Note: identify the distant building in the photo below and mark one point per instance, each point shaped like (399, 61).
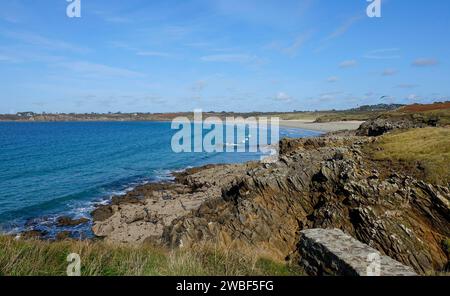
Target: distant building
(25, 114)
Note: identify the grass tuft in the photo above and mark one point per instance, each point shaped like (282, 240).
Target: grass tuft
(429, 148)
(19, 257)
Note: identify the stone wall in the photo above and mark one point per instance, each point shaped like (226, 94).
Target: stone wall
(332, 252)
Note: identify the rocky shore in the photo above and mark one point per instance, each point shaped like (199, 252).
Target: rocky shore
(328, 182)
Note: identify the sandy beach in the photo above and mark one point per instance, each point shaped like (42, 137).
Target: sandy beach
(323, 126)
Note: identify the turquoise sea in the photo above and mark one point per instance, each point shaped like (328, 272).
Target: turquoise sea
(57, 169)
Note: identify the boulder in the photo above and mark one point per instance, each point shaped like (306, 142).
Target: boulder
(332, 252)
(67, 221)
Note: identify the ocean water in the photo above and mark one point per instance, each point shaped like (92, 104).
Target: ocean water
(57, 169)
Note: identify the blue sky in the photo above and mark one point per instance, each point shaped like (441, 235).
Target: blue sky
(233, 55)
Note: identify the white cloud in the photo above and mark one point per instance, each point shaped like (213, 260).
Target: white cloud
(198, 86)
(112, 17)
(413, 97)
(230, 58)
(154, 54)
(332, 79)
(406, 85)
(140, 52)
(425, 62)
(98, 70)
(283, 97)
(383, 54)
(389, 72)
(329, 96)
(348, 64)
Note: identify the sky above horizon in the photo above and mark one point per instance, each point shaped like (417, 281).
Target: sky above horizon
(221, 55)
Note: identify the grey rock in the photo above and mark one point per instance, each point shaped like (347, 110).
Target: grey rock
(332, 252)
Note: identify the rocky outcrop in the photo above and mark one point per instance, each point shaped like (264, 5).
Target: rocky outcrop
(142, 214)
(332, 252)
(378, 127)
(33, 234)
(385, 123)
(317, 183)
(323, 183)
(67, 221)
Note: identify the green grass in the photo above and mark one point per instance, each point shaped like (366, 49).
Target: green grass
(347, 116)
(423, 116)
(429, 147)
(330, 116)
(19, 257)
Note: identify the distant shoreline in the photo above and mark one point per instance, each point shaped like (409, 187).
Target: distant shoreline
(326, 127)
(321, 126)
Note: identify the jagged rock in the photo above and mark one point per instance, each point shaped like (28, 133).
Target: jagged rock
(383, 124)
(63, 235)
(399, 216)
(160, 204)
(67, 221)
(102, 213)
(324, 182)
(378, 127)
(33, 234)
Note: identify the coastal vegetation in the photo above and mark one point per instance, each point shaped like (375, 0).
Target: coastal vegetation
(427, 150)
(430, 113)
(35, 257)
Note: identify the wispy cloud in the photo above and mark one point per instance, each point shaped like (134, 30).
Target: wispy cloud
(230, 58)
(42, 42)
(329, 96)
(283, 97)
(339, 31)
(14, 54)
(8, 59)
(154, 54)
(406, 85)
(12, 11)
(123, 45)
(383, 54)
(344, 27)
(112, 18)
(98, 70)
(332, 79)
(9, 18)
(348, 64)
(293, 48)
(257, 12)
(198, 86)
(413, 97)
(389, 72)
(177, 32)
(111, 100)
(425, 62)
(140, 52)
